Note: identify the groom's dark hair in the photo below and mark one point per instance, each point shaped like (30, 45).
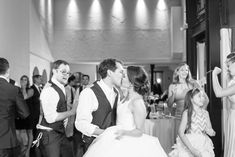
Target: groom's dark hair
(107, 64)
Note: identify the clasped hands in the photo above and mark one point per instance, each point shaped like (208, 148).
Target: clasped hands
(196, 153)
(119, 134)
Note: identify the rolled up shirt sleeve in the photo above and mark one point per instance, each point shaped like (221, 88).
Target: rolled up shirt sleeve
(49, 100)
(87, 104)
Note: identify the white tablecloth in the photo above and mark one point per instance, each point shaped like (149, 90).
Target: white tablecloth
(163, 129)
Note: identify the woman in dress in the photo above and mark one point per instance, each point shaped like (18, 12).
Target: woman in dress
(229, 92)
(127, 138)
(181, 84)
(24, 126)
(194, 127)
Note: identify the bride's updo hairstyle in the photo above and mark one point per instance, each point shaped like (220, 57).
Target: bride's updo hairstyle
(139, 79)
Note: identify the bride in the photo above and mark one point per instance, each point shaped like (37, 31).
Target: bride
(126, 138)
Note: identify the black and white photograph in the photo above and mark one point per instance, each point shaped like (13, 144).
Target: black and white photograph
(117, 78)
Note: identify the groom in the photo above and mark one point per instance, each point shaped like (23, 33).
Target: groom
(97, 105)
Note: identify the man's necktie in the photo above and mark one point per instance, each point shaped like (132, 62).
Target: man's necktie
(39, 89)
(72, 96)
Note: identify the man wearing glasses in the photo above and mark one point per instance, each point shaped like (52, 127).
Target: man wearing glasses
(53, 99)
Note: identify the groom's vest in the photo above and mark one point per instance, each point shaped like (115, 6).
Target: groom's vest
(61, 107)
(104, 116)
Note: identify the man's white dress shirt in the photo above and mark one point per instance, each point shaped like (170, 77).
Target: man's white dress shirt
(87, 104)
(49, 100)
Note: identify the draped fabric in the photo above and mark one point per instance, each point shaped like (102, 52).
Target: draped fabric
(229, 146)
(225, 45)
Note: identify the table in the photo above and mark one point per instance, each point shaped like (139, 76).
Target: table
(163, 129)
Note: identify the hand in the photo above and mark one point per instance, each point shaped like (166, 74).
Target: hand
(120, 134)
(210, 132)
(202, 82)
(216, 71)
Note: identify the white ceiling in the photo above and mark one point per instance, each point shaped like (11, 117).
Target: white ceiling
(135, 31)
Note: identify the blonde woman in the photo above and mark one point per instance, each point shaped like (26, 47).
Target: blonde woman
(181, 84)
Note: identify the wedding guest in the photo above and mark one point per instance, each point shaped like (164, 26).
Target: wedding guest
(37, 88)
(74, 136)
(70, 94)
(35, 111)
(78, 144)
(78, 76)
(85, 82)
(194, 127)
(54, 142)
(229, 92)
(11, 104)
(24, 127)
(181, 84)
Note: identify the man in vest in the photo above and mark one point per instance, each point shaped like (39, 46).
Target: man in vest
(97, 104)
(55, 115)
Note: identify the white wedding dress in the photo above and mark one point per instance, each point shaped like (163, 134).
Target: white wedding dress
(106, 145)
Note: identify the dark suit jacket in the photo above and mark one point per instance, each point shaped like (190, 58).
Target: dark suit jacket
(35, 106)
(12, 104)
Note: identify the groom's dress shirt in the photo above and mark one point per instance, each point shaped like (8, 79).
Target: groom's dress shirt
(49, 99)
(87, 104)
